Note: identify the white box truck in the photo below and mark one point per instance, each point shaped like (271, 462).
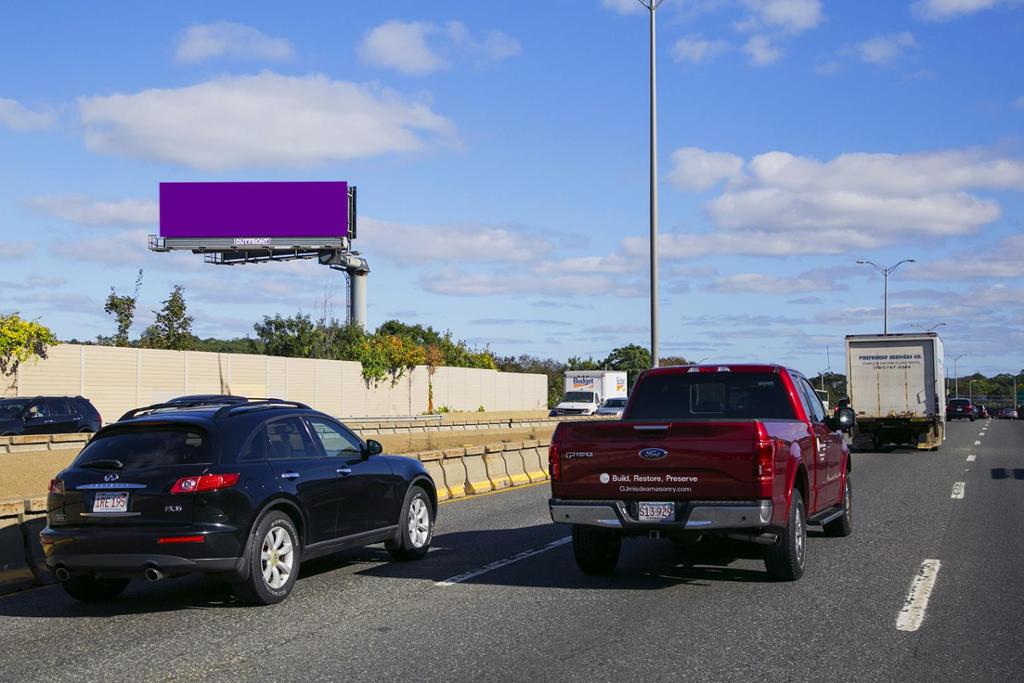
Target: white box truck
(585, 390)
(895, 383)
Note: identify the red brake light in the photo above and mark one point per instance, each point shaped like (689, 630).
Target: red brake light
(56, 486)
(554, 467)
(204, 482)
(764, 455)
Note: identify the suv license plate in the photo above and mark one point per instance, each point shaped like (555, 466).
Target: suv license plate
(110, 502)
(656, 512)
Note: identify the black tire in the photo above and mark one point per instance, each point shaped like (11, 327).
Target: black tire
(972, 418)
(415, 531)
(91, 589)
(784, 560)
(842, 526)
(596, 550)
(255, 589)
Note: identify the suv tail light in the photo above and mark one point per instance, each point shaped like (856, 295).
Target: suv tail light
(764, 456)
(57, 486)
(554, 466)
(204, 482)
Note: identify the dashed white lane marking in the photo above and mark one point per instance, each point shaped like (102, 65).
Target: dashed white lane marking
(977, 443)
(498, 564)
(971, 458)
(913, 612)
(958, 491)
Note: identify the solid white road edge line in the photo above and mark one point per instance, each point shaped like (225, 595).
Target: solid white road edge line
(971, 458)
(958, 491)
(912, 614)
(466, 576)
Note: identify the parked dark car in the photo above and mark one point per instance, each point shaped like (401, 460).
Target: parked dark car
(959, 409)
(48, 415)
(243, 491)
(1008, 414)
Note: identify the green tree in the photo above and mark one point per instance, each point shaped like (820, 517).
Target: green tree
(576, 363)
(555, 371)
(672, 360)
(122, 307)
(172, 328)
(632, 358)
(386, 356)
(21, 340)
(292, 337)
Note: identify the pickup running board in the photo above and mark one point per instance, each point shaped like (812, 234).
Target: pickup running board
(823, 518)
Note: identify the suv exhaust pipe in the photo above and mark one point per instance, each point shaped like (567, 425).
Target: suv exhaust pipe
(62, 574)
(153, 574)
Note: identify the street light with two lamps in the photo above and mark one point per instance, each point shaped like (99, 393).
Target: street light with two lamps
(885, 287)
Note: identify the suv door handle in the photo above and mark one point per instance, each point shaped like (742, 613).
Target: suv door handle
(344, 471)
(290, 475)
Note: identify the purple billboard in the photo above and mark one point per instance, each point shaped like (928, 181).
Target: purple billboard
(299, 209)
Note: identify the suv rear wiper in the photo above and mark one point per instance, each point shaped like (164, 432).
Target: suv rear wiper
(108, 464)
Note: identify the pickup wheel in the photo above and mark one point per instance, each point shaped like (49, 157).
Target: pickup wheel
(842, 526)
(784, 560)
(596, 550)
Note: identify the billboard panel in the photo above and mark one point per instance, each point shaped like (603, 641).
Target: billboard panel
(254, 210)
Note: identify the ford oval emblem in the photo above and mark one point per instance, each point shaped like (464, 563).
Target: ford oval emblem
(653, 453)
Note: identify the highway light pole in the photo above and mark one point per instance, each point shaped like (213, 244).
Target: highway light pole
(928, 329)
(956, 375)
(885, 287)
(970, 390)
(652, 7)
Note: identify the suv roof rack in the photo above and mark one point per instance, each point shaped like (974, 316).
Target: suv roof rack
(252, 403)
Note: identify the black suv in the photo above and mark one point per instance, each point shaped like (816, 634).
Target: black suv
(960, 408)
(241, 491)
(48, 415)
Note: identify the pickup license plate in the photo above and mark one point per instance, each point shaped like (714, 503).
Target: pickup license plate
(656, 512)
(110, 502)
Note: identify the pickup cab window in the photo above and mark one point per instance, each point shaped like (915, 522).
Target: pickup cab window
(578, 397)
(720, 395)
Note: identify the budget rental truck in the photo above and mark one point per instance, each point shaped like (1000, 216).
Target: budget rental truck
(895, 385)
(585, 390)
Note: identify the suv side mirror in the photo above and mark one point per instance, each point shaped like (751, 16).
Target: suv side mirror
(373, 447)
(847, 418)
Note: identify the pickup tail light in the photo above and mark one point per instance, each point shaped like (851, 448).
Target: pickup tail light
(57, 486)
(764, 455)
(554, 466)
(204, 482)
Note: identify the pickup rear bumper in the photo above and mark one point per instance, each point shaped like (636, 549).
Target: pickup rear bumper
(690, 515)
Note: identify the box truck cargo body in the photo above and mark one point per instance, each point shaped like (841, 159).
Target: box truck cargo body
(896, 387)
(585, 390)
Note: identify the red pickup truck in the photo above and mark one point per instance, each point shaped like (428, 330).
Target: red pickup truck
(744, 451)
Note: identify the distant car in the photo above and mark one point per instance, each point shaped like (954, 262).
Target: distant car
(612, 407)
(48, 415)
(960, 409)
(243, 492)
(1008, 414)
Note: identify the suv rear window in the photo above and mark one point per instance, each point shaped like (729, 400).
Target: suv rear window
(141, 449)
(959, 402)
(706, 395)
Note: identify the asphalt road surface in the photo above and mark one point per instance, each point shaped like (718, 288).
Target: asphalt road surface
(499, 598)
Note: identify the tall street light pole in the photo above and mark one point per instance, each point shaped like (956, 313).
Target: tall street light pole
(885, 287)
(652, 7)
(956, 375)
(928, 329)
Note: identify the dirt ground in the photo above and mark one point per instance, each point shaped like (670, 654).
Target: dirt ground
(29, 474)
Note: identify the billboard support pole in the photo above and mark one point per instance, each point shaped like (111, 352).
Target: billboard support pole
(357, 296)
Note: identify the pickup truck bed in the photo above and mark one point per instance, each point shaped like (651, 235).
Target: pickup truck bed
(741, 451)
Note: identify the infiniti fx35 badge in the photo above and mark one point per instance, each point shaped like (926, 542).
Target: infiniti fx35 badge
(653, 453)
(110, 477)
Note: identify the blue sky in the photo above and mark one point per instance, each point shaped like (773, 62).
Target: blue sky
(500, 150)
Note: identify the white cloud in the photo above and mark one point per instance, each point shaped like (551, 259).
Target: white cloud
(463, 283)
(792, 16)
(761, 50)
(623, 6)
(17, 116)
(261, 120)
(1003, 260)
(13, 249)
(758, 283)
(1019, 102)
(415, 47)
(943, 10)
(885, 48)
(696, 169)
(426, 244)
(231, 40)
(86, 210)
(128, 247)
(697, 50)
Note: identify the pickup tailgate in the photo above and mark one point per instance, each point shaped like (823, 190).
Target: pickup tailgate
(684, 460)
